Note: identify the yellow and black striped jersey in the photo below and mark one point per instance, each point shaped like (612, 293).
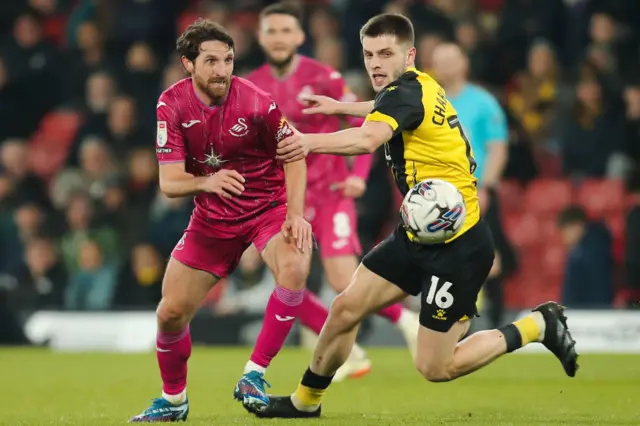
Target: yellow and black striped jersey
(428, 141)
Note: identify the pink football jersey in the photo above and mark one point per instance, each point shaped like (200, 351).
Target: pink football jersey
(240, 134)
(309, 76)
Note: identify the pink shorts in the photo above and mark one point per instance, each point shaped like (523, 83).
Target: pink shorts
(201, 247)
(335, 227)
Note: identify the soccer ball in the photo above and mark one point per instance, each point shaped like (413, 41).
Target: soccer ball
(433, 211)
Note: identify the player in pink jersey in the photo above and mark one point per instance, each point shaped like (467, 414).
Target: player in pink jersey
(331, 187)
(216, 140)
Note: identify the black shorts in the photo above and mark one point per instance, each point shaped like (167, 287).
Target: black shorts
(449, 276)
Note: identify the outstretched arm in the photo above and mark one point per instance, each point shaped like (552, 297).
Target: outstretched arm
(318, 104)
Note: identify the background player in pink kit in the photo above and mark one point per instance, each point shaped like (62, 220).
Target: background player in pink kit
(331, 187)
(216, 139)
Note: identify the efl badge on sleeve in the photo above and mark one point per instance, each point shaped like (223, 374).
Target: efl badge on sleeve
(161, 138)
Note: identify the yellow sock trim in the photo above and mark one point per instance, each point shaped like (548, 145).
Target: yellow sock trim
(309, 396)
(528, 328)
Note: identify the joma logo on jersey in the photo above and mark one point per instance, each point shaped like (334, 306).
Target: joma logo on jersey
(240, 128)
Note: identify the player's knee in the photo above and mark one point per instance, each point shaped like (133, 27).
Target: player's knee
(292, 273)
(436, 373)
(171, 316)
(346, 310)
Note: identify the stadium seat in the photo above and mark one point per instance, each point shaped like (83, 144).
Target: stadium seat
(522, 229)
(548, 196)
(510, 195)
(601, 197)
(49, 146)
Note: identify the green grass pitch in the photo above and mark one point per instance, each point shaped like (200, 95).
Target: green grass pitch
(38, 387)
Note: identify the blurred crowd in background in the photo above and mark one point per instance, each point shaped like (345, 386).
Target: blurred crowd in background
(84, 227)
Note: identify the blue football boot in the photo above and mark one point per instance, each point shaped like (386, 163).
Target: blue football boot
(250, 391)
(162, 410)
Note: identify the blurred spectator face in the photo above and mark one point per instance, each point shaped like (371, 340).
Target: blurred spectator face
(100, 91)
(571, 233)
(140, 58)
(121, 116)
(450, 64)
(90, 256)
(172, 74)
(46, 7)
(280, 36)
(632, 100)
(467, 36)
(589, 92)
(88, 36)
(602, 28)
(114, 198)
(329, 52)
(94, 157)
(40, 256)
(143, 166)
(14, 157)
(3, 74)
(322, 24)
(28, 219)
(542, 61)
(426, 46)
(27, 31)
(79, 212)
(385, 59)
(6, 187)
(212, 68)
(147, 266)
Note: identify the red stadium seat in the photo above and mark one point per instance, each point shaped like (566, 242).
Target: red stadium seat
(548, 196)
(510, 195)
(522, 229)
(601, 197)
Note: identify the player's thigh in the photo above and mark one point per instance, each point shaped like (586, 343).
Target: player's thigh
(367, 292)
(197, 263)
(289, 265)
(336, 227)
(338, 270)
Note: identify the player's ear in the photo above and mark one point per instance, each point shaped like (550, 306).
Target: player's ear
(301, 37)
(187, 64)
(411, 56)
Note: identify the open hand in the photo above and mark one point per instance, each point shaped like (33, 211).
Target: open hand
(352, 187)
(297, 228)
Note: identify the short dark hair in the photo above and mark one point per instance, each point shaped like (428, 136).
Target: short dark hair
(572, 215)
(282, 8)
(392, 24)
(188, 44)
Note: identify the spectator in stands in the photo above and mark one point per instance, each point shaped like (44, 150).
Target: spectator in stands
(82, 227)
(26, 186)
(92, 285)
(97, 168)
(632, 128)
(87, 58)
(40, 278)
(534, 96)
(101, 90)
(168, 218)
(140, 283)
(588, 280)
(34, 74)
(28, 220)
(591, 133)
(123, 130)
(481, 58)
(141, 80)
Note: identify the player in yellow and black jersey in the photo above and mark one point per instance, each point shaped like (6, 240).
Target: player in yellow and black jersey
(422, 139)
(428, 141)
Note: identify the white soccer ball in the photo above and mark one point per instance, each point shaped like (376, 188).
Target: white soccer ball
(433, 211)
